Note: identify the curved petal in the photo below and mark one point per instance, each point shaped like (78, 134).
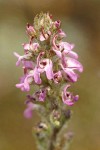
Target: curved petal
(21, 86)
(66, 46)
(49, 70)
(71, 54)
(30, 30)
(26, 46)
(36, 76)
(68, 97)
(74, 64)
(61, 34)
(19, 58)
(26, 84)
(71, 75)
(58, 53)
(42, 38)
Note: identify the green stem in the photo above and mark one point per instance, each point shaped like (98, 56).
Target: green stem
(53, 138)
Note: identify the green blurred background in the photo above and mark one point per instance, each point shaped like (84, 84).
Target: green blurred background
(81, 22)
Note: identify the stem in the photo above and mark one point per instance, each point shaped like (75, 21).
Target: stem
(53, 138)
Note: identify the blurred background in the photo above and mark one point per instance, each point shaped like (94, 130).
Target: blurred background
(81, 21)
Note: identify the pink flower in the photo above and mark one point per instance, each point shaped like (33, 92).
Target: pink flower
(69, 65)
(30, 107)
(28, 111)
(45, 65)
(31, 47)
(57, 77)
(63, 48)
(41, 94)
(57, 23)
(22, 58)
(46, 57)
(66, 48)
(61, 33)
(30, 30)
(19, 58)
(25, 81)
(42, 38)
(68, 97)
(27, 64)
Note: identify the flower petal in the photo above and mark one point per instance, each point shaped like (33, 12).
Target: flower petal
(30, 30)
(68, 97)
(71, 75)
(19, 58)
(28, 110)
(42, 95)
(27, 64)
(42, 38)
(49, 70)
(36, 75)
(72, 63)
(57, 77)
(58, 53)
(73, 55)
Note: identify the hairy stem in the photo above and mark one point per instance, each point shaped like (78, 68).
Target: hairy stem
(53, 138)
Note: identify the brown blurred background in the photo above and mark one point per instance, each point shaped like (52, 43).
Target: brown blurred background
(81, 22)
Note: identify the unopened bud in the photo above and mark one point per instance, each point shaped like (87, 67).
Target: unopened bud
(30, 30)
(57, 23)
(55, 118)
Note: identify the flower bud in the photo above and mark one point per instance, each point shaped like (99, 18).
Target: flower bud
(57, 23)
(55, 118)
(40, 130)
(30, 30)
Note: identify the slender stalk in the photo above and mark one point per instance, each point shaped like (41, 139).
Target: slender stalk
(53, 138)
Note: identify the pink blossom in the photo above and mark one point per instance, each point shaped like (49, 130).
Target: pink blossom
(63, 48)
(21, 58)
(42, 38)
(69, 65)
(61, 33)
(31, 47)
(57, 77)
(66, 48)
(41, 94)
(57, 23)
(47, 56)
(25, 81)
(45, 65)
(68, 97)
(28, 111)
(30, 30)
(27, 64)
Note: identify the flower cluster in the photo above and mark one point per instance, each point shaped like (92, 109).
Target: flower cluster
(48, 62)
